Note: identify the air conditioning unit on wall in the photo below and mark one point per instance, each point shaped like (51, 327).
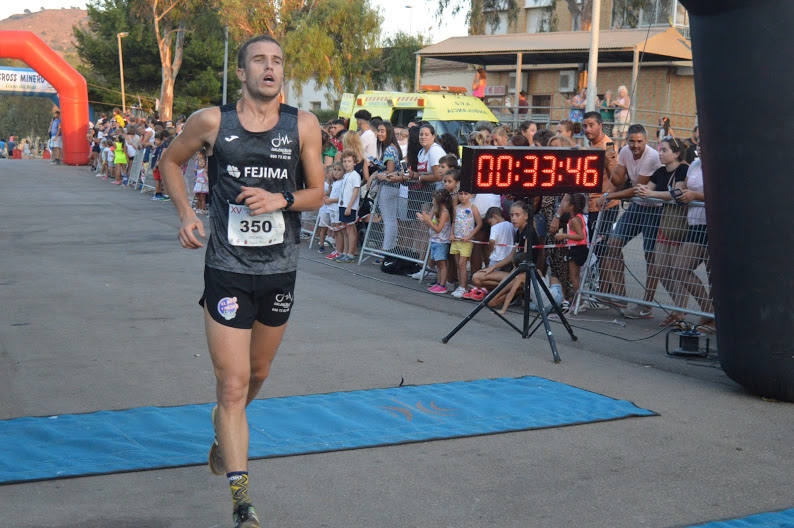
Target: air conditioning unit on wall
(568, 81)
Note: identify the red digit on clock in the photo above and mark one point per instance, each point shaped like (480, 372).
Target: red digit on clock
(590, 174)
(533, 170)
(549, 171)
(577, 170)
(483, 160)
(508, 176)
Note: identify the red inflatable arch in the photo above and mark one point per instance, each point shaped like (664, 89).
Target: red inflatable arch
(71, 87)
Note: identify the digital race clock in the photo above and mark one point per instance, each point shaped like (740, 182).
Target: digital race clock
(531, 171)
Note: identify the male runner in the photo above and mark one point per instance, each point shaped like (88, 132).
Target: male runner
(264, 167)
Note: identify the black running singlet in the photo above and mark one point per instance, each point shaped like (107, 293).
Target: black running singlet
(269, 160)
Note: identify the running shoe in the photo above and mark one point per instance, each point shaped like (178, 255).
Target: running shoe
(459, 292)
(476, 294)
(471, 295)
(215, 458)
(166, 198)
(437, 288)
(345, 259)
(333, 255)
(322, 249)
(245, 516)
(635, 311)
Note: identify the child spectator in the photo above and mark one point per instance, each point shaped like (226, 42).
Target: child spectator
(103, 160)
(332, 202)
(439, 223)
(467, 222)
(348, 206)
(323, 215)
(119, 158)
(500, 245)
(576, 237)
(201, 188)
(159, 147)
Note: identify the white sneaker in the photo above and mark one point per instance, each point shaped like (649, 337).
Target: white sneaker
(418, 275)
(458, 293)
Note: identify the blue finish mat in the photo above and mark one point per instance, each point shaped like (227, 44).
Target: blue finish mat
(779, 519)
(162, 437)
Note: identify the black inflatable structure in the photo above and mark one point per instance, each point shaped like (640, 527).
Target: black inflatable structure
(743, 53)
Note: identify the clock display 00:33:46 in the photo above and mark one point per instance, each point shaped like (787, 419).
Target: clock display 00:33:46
(544, 170)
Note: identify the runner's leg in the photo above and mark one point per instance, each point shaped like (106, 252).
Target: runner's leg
(265, 341)
(230, 350)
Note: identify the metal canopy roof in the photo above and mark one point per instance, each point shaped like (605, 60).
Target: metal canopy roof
(562, 47)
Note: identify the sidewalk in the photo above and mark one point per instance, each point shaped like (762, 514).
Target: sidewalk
(101, 313)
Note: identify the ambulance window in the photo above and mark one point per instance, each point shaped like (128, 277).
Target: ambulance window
(404, 116)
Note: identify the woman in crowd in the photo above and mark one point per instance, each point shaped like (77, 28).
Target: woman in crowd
(692, 251)
(607, 109)
(329, 149)
(622, 115)
(352, 141)
(528, 130)
(389, 155)
(663, 185)
(577, 103)
(449, 143)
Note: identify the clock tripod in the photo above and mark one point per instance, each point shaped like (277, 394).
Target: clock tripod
(525, 265)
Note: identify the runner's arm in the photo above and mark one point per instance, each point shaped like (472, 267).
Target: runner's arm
(200, 129)
(195, 135)
(311, 197)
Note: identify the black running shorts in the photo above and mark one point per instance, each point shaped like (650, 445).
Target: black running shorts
(237, 300)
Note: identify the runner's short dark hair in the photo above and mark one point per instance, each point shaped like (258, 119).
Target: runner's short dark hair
(494, 212)
(241, 53)
(594, 115)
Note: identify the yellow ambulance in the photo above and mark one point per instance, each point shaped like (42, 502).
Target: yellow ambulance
(447, 108)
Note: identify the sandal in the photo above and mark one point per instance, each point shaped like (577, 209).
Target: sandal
(670, 320)
(706, 325)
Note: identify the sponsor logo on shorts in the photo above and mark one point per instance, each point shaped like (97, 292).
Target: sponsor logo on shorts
(282, 302)
(227, 308)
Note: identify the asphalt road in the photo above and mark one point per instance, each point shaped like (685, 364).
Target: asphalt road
(99, 312)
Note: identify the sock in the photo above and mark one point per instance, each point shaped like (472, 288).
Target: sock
(238, 482)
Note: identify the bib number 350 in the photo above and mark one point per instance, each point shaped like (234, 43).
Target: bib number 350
(260, 230)
(255, 226)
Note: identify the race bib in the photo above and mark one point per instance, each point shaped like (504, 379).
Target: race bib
(260, 230)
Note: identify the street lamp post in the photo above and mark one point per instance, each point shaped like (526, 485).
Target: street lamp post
(121, 71)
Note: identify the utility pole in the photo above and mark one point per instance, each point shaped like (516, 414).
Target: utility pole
(592, 67)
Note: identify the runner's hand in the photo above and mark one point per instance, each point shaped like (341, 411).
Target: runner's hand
(259, 201)
(186, 236)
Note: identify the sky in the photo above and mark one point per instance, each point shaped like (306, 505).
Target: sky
(418, 18)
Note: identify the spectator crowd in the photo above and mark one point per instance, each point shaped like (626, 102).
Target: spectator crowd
(471, 240)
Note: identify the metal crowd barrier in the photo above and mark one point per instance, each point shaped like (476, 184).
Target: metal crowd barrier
(646, 252)
(393, 229)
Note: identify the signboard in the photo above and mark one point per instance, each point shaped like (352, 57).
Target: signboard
(23, 81)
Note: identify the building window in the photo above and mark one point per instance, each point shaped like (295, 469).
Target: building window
(500, 29)
(653, 13)
(541, 108)
(316, 106)
(538, 19)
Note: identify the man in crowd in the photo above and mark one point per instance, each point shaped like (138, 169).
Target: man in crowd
(266, 162)
(636, 164)
(368, 139)
(56, 138)
(691, 145)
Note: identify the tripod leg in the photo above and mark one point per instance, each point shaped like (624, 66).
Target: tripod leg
(527, 295)
(483, 304)
(533, 276)
(557, 309)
